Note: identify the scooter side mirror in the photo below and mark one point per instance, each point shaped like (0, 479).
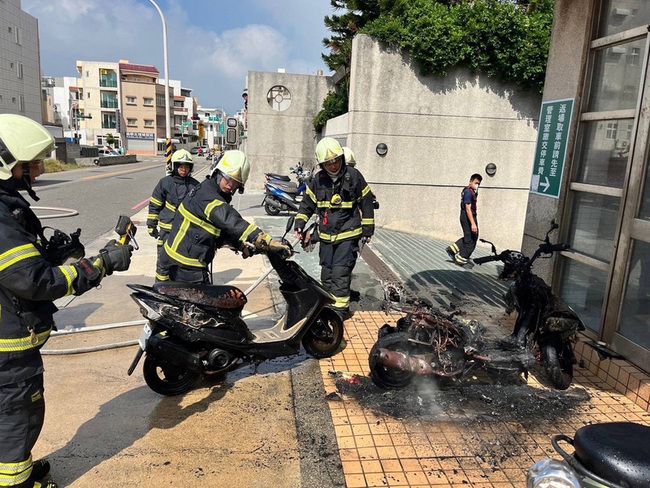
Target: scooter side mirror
(554, 226)
(494, 249)
(290, 223)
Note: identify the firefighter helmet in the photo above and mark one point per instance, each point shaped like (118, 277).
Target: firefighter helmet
(349, 156)
(328, 149)
(234, 164)
(182, 156)
(21, 140)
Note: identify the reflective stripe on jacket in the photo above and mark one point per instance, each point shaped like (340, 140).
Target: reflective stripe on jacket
(344, 208)
(165, 199)
(204, 222)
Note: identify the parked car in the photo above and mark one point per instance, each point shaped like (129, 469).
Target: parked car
(107, 151)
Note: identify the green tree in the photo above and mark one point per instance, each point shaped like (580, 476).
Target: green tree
(505, 39)
(111, 140)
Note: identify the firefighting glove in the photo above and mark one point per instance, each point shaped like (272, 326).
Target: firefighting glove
(153, 232)
(116, 257)
(265, 243)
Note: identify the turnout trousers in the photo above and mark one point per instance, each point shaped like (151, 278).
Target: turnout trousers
(337, 261)
(464, 247)
(22, 411)
(161, 272)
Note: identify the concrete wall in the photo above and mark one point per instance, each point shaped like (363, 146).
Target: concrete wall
(338, 128)
(439, 130)
(19, 51)
(564, 79)
(278, 140)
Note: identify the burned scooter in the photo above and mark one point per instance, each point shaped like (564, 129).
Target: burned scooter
(545, 324)
(430, 342)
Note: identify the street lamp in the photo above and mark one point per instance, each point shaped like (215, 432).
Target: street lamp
(168, 129)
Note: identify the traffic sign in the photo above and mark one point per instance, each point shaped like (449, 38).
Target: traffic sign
(552, 141)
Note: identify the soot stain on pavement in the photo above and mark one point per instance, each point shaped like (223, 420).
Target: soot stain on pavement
(464, 400)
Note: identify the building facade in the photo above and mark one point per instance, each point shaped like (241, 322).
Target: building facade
(212, 120)
(98, 110)
(599, 61)
(281, 111)
(184, 107)
(140, 108)
(20, 65)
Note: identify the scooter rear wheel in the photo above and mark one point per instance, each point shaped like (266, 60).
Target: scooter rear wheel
(324, 337)
(271, 210)
(167, 379)
(383, 376)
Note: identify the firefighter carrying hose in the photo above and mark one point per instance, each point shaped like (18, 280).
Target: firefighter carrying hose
(342, 199)
(206, 221)
(166, 198)
(32, 276)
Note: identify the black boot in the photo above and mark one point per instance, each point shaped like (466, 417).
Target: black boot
(40, 469)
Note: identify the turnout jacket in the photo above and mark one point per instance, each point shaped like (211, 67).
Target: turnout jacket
(166, 197)
(204, 222)
(349, 216)
(29, 284)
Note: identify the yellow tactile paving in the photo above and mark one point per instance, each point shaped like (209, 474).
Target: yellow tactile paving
(380, 450)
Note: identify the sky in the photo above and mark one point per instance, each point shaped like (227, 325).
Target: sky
(212, 43)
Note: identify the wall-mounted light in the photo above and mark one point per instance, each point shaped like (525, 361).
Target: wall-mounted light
(491, 169)
(381, 149)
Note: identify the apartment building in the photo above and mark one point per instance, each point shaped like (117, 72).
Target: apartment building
(99, 107)
(20, 65)
(184, 107)
(212, 120)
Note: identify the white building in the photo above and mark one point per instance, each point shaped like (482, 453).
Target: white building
(20, 66)
(65, 94)
(184, 107)
(212, 120)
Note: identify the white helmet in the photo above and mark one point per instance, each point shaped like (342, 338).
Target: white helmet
(21, 140)
(328, 149)
(349, 156)
(234, 164)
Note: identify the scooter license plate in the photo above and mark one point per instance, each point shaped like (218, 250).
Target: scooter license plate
(144, 336)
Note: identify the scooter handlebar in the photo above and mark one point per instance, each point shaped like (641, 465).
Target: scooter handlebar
(486, 259)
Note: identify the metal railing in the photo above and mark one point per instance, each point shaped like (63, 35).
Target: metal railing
(110, 104)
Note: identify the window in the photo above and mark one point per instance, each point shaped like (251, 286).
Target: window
(131, 122)
(108, 121)
(160, 100)
(17, 35)
(107, 78)
(11, 65)
(130, 100)
(19, 70)
(148, 123)
(279, 98)
(88, 95)
(109, 100)
(148, 102)
(21, 103)
(87, 74)
(611, 130)
(100, 139)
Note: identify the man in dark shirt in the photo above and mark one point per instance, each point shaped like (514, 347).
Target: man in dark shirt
(463, 248)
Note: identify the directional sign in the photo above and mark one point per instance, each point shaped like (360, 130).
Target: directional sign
(552, 141)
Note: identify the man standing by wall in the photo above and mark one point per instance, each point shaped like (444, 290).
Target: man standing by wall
(343, 201)
(463, 248)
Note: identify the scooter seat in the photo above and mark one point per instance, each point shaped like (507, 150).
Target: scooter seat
(285, 187)
(217, 296)
(276, 176)
(617, 451)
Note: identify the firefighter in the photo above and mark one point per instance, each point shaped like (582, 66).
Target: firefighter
(166, 198)
(205, 221)
(462, 249)
(342, 199)
(32, 276)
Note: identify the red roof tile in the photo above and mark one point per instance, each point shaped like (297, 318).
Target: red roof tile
(139, 67)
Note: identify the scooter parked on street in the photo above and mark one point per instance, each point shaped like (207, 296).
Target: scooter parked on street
(545, 324)
(607, 455)
(199, 329)
(282, 194)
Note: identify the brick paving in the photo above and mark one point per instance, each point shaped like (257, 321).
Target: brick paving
(453, 449)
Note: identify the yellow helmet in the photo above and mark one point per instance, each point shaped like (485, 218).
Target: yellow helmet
(328, 149)
(349, 156)
(234, 164)
(182, 156)
(21, 140)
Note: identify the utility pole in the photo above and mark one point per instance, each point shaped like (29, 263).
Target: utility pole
(168, 129)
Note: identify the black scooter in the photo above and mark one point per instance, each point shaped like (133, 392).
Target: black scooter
(199, 329)
(544, 321)
(608, 455)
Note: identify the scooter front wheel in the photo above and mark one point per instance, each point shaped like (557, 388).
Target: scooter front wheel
(167, 379)
(558, 365)
(324, 337)
(270, 209)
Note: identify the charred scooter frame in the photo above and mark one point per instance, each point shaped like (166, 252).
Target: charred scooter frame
(199, 329)
(545, 323)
